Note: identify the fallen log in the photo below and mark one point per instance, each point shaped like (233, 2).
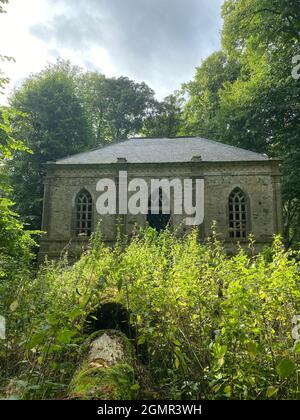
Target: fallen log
(107, 373)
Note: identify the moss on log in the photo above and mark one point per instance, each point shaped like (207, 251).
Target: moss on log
(107, 373)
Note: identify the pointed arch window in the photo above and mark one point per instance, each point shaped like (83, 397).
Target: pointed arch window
(84, 213)
(158, 221)
(238, 214)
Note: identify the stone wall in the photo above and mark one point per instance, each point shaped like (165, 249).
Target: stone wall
(260, 181)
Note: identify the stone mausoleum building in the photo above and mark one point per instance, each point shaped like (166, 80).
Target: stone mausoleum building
(241, 191)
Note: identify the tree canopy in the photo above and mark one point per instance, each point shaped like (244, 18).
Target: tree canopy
(15, 242)
(166, 118)
(54, 124)
(245, 94)
(117, 107)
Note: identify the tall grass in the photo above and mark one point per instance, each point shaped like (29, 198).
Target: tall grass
(208, 325)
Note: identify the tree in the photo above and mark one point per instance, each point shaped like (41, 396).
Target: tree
(263, 24)
(265, 100)
(166, 120)
(202, 110)
(55, 125)
(117, 107)
(245, 95)
(15, 242)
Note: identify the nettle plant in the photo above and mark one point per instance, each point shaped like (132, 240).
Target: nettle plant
(219, 326)
(206, 325)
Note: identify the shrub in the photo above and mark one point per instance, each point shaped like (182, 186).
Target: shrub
(208, 325)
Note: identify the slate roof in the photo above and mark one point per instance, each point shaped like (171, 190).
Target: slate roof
(163, 150)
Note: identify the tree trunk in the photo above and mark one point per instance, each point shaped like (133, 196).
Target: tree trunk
(107, 373)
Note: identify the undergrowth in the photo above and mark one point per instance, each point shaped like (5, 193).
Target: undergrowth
(208, 325)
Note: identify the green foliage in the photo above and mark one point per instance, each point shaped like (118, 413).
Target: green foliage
(16, 244)
(245, 95)
(265, 99)
(225, 324)
(45, 319)
(8, 144)
(258, 21)
(117, 107)
(208, 325)
(166, 119)
(202, 111)
(65, 111)
(54, 125)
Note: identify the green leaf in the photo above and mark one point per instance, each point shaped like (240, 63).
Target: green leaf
(227, 390)
(216, 388)
(271, 391)
(14, 306)
(141, 340)
(219, 350)
(135, 387)
(35, 340)
(74, 313)
(297, 347)
(252, 349)
(285, 368)
(220, 362)
(65, 336)
(52, 319)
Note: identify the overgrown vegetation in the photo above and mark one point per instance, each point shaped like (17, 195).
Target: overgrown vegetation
(208, 325)
(16, 244)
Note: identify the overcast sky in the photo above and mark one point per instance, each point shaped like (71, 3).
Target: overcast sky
(156, 41)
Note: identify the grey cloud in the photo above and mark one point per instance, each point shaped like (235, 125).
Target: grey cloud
(159, 41)
(77, 32)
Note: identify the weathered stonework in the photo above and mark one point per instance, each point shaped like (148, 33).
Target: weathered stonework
(259, 180)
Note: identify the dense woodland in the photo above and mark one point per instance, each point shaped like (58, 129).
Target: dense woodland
(225, 331)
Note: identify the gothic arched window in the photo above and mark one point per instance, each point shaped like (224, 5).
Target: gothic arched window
(238, 214)
(158, 221)
(84, 213)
